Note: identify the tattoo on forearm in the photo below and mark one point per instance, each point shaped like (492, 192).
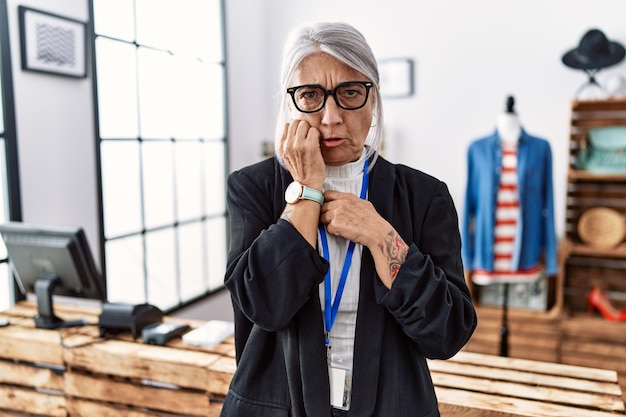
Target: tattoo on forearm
(396, 250)
(286, 214)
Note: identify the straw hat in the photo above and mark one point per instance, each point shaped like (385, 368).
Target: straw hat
(602, 227)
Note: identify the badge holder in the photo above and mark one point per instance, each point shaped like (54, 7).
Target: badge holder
(340, 378)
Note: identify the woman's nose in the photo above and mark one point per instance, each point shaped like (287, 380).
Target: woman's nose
(331, 113)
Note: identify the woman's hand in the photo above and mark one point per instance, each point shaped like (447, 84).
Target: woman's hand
(300, 149)
(350, 217)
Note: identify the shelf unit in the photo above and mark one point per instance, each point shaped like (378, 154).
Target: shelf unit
(566, 333)
(592, 340)
(584, 266)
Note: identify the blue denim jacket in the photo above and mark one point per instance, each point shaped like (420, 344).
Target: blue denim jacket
(535, 237)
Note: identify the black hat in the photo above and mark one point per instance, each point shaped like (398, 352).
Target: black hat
(595, 51)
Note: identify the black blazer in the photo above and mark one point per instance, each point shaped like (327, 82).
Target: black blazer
(273, 275)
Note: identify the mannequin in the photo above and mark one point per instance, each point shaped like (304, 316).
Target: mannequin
(508, 124)
(508, 225)
(507, 205)
(509, 177)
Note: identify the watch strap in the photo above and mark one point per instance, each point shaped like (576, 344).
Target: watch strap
(309, 193)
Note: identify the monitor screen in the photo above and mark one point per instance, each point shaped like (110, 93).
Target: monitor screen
(49, 260)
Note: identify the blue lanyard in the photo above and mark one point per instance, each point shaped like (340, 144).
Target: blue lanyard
(330, 311)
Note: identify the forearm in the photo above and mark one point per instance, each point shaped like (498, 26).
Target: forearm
(389, 251)
(304, 216)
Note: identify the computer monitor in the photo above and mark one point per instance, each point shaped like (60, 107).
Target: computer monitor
(49, 260)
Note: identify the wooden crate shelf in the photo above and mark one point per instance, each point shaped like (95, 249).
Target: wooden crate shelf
(76, 372)
(584, 266)
(567, 333)
(531, 336)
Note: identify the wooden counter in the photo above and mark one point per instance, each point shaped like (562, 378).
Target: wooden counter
(476, 384)
(75, 372)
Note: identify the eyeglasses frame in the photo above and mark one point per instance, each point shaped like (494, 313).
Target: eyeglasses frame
(333, 92)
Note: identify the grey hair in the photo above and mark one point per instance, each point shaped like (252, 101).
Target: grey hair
(344, 43)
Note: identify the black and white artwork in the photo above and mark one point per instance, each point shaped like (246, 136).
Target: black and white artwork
(52, 44)
(396, 77)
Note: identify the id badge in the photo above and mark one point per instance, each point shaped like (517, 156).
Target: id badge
(340, 378)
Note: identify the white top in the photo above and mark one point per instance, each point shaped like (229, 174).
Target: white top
(346, 178)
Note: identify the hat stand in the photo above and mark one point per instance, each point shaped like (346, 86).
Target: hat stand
(591, 90)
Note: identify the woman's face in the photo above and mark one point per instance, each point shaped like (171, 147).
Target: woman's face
(343, 132)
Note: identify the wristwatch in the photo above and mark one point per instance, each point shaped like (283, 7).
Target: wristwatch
(296, 191)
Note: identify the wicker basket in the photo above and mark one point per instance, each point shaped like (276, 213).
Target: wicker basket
(602, 227)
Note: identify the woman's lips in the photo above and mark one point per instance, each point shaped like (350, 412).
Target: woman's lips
(333, 142)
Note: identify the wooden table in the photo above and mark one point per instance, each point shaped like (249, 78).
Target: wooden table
(475, 384)
(75, 372)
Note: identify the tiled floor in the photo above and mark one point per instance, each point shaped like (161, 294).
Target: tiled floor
(215, 307)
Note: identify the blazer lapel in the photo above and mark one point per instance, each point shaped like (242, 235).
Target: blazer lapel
(371, 316)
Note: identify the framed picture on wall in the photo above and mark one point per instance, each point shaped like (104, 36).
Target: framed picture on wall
(52, 44)
(396, 77)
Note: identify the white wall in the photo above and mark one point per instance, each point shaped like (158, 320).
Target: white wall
(469, 56)
(55, 130)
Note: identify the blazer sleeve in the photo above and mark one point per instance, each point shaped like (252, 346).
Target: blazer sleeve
(469, 213)
(272, 270)
(429, 297)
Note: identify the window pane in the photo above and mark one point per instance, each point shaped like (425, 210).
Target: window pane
(156, 101)
(213, 38)
(161, 265)
(189, 192)
(5, 288)
(117, 89)
(193, 92)
(191, 253)
(120, 188)
(161, 85)
(197, 29)
(114, 18)
(125, 271)
(154, 22)
(158, 183)
(216, 256)
(215, 177)
(216, 105)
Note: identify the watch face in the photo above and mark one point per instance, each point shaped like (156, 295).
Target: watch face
(292, 194)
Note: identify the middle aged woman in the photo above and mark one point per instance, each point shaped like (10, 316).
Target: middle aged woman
(344, 269)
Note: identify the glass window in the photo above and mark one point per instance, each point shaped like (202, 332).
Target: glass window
(115, 19)
(216, 251)
(117, 89)
(189, 185)
(155, 79)
(125, 270)
(121, 188)
(215, 177)
(162, 137)
(163, 288)
(158, 183)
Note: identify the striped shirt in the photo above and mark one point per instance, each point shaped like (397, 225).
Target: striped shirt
(506, 226)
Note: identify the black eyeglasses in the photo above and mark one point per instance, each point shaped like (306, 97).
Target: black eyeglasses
(311, 98)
